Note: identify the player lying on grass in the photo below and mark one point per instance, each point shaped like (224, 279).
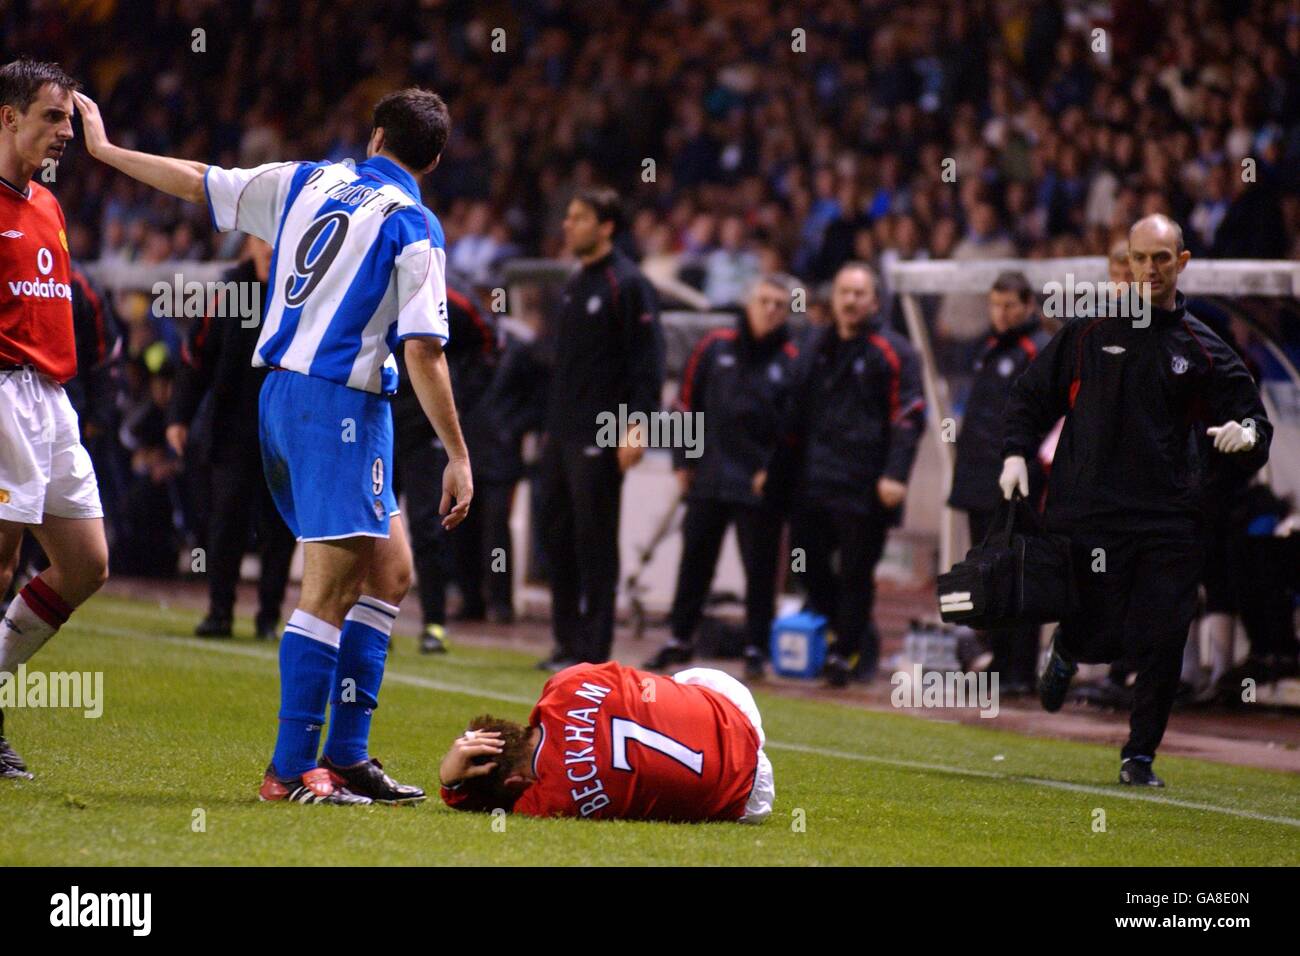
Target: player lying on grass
(609, 742)
(360, 268)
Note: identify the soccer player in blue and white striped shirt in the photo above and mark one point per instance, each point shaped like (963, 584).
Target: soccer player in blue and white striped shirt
(358, 267)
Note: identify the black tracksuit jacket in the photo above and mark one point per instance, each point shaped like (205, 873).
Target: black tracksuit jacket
(857, 416)
(471, 351)
(609, 348)
(218, 356)
(1133, 453)
(979, 445)
(742, 387)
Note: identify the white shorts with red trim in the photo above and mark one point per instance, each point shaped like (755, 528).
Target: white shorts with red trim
(759, 806)
(43, 467)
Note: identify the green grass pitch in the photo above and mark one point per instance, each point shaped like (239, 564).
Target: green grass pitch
(188, 726)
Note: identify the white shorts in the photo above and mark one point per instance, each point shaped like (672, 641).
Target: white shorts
(759, 805)
(43, 467)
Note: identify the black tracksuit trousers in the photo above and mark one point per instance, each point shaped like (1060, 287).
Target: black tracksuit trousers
(238, 493)
(844, 595)
(441, 556)
(581, 490)
(1137, 597)
(758, 531)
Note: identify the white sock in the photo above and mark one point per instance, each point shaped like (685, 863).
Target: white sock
(22, 634)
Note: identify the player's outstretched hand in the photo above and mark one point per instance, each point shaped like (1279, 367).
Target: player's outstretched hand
(457, 484)
(459, 763)
(1231, 437)
(92, 124)
(1015, 474)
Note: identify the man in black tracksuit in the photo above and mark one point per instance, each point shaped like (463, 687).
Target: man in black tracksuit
(1142, 405)
(739, 381)
(608, 354)
(419, 460)
(513, 405)
(1017, 337)
(217, 360)
(858, 415)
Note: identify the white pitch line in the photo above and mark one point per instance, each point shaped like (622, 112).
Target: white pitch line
(430, 684)
(1041, 782)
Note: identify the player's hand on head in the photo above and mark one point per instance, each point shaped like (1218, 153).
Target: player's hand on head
(1232, 437)
(92, 124)
(457, 485)
(459, 764)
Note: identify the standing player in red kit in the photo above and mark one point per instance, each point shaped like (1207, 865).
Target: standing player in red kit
(47, 484)
(608, 742)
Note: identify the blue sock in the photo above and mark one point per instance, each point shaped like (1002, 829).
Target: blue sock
(355, 692)
(309, 652)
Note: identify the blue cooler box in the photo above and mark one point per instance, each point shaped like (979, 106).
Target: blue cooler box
(799, 644)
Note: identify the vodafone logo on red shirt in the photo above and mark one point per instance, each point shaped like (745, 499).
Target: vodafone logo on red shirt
(39, 288)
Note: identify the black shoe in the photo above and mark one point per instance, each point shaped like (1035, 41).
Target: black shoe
(1108, 694)
(754, 663)
(556, 663)
(12, 766)
(315, 786)
(864, 671)
(1015, 688)
(672, 654)
(213, 626)
(1055, 682)
(837, 671)
(369, 780)
(471, 612)
(501, 614)
(1138, 773)
(266, 627)
(434, 640)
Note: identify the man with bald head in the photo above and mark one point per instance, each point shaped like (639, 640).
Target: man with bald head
(1147, 402)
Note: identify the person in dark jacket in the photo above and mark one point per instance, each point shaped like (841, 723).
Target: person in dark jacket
(419, 460)
(1142, 398)
(513, 405)
(739, 380)
(217, 365)
(609, 357)
(1016, 338)
(858, 415)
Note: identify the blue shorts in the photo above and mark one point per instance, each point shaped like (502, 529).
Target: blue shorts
(327, 451)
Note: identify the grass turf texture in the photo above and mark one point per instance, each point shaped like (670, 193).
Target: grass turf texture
(189, 724)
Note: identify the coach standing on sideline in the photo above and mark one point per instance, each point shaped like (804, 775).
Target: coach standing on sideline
(609, 353)
(1016, 338)
(1143, 401)
(217, 357)
(858, 417)
(738, 379)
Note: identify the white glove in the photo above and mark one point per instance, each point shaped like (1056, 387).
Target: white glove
(1232, 437)
(1015, 474)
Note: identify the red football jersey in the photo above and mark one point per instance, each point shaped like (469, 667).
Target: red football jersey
(35, 283)
(619, 743)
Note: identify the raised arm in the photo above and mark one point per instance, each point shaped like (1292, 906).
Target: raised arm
(182, 178)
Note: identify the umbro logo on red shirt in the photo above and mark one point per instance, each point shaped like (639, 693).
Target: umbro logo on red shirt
(11, 234)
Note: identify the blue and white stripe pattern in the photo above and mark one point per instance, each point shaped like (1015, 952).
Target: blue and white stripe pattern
(359, 263)
(373, 613)
(307, 625)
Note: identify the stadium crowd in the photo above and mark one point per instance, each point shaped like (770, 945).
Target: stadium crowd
(747, 139)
